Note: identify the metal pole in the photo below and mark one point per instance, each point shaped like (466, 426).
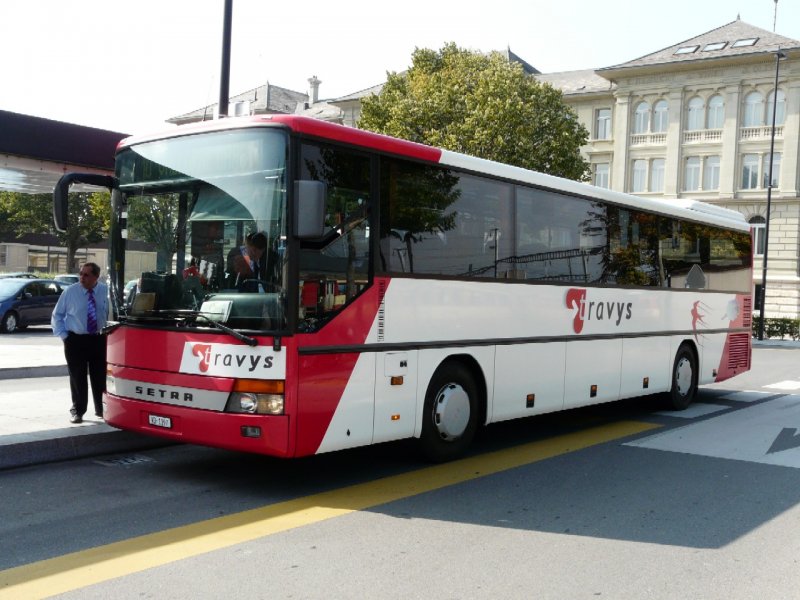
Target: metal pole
(778, 56)
(225, 71)
(775, 16)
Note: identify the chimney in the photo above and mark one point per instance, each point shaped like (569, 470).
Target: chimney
(313, 89)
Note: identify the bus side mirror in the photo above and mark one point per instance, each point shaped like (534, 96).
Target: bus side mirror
(310, 200)
(61, 194)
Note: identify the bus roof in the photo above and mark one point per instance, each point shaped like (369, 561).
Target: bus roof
(678, 207)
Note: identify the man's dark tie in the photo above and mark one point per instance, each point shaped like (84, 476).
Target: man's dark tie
(91, 314)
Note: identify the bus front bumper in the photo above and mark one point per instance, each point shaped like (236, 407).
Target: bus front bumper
(261, 434)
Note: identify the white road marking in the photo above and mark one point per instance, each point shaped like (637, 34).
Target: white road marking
(764, 433)
(788, 385)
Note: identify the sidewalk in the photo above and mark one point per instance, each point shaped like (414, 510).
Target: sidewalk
(34, 419)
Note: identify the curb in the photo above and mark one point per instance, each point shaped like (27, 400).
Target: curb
(779, 344)
(29, 453)
(26, 372)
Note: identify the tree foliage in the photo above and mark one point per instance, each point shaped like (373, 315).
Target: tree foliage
(155, 219)
(89, 215)
(482, 105)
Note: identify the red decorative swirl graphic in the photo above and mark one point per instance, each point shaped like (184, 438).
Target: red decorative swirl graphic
(203, 351)
(575, 299)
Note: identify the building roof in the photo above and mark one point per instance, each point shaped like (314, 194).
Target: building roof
(45, 139)
(577, 82)
(265, 99)
(528, 68)
(375, 89)
(37, 152)
(736, 39)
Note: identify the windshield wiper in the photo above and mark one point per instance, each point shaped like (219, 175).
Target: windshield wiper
(250, 341)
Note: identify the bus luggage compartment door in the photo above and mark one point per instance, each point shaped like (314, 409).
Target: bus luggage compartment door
(592, 372)
(395, 395)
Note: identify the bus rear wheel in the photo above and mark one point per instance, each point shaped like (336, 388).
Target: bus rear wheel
(450, 417)
(684, 379)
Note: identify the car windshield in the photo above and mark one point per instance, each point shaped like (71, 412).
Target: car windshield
(204, 223)
(10, 287)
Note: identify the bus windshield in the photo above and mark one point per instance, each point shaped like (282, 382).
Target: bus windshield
(202, 227)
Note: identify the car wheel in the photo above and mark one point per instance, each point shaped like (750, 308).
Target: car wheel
(10, 323)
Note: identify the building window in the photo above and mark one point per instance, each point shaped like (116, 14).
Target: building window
(641, 118)
(750, 172)
(753, 109)
(694, 114)
(691, 174)
(657, 175)
(776, 170)
(711, 173)
(716, 112)
(780, 112)
(639, 180)
(601, 176)
(759, 227)
(714, 46)
(603, 124)
(660, 116)
(744, 42)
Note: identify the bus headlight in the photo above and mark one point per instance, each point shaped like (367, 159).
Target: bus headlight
(255, 404)
(256, 397)
(111, 384)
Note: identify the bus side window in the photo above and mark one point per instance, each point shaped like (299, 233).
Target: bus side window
(336, 268)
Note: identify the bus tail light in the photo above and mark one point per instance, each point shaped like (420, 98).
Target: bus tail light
(256, 397)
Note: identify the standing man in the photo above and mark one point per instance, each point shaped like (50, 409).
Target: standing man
(78, 319)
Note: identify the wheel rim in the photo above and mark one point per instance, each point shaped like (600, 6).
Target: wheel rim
(451, 412)
(683, 376)
(11, 322)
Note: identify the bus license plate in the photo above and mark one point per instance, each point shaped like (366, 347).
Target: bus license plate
(157, 421)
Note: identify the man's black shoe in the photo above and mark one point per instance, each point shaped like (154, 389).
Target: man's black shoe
(76, 419)
(98, 415)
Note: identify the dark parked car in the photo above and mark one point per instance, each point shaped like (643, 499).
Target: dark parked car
(26, 302)
(67, 279)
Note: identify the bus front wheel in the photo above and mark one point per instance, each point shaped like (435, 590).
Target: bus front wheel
(450, 417)
(684, 379)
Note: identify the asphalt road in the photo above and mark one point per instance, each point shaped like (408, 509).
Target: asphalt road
(617, 501)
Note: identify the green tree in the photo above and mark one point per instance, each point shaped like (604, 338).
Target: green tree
(482, 105)
(33, 213)
(155, 219)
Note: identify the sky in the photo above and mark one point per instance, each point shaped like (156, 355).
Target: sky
(127, 66)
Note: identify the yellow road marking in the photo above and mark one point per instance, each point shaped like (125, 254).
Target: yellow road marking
(87, 567)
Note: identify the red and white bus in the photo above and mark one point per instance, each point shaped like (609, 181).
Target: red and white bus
(404, 291)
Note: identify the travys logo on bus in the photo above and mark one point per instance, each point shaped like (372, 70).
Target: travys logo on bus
(587, 309)
(231, 360)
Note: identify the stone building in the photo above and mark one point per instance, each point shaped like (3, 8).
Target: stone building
(694, 120)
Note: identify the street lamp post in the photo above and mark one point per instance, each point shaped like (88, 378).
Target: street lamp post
(225, 69)
(763, 296)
